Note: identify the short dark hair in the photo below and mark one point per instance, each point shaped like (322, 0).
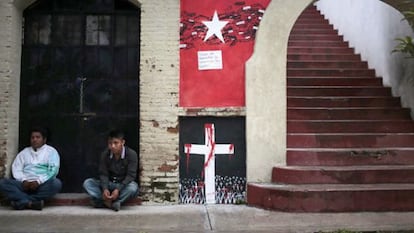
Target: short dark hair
(38, 129)
(116, 133)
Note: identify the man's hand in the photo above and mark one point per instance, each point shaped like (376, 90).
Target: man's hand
(30, 185)
(26, 185)
(106, 195)
(34, 185)
(115, 194)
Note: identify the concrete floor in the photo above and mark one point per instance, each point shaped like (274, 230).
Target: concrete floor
(194, 218)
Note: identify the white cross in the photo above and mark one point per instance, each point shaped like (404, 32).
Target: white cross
(210, 149)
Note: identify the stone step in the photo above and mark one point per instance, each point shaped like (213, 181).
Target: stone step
(349, 156)
(343, 102)
(305, 30)
(319, 37)
(309, 26)
(345, 72)
(331, 197)
(386, 126)
(312, 21)
(342, 65)
(338, 114)
(369, 174)
(311, 15)
(316, 43)
(354, 140)
(350, 145)
(323, 57)
(338, 81)
(319, 50)
(332, 91)
(81, 199)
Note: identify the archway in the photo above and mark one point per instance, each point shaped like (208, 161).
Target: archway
(266, 88)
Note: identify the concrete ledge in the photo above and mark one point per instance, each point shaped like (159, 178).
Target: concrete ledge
(195, 218)
(81, 199)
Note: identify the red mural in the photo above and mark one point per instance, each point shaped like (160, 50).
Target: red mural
(216, 39)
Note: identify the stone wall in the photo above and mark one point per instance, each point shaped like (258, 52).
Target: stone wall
(10, 53)
(159, 82)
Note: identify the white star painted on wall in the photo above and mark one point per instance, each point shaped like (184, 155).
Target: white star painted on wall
(214, 27)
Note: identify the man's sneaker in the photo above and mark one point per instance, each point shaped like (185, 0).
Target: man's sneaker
(37, 205)
(15, 206)
(97, 204)
(108, 203)
(116, 206)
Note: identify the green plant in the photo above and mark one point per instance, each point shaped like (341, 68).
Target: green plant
(406, 44)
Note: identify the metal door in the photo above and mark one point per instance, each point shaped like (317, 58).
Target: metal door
(79, 78)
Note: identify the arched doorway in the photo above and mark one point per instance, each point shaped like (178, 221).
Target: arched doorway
(79, 78)
(266, 87)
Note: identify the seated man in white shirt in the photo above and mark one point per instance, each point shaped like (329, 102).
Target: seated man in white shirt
(34, 173)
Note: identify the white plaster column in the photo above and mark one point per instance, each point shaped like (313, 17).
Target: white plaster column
(266, 90)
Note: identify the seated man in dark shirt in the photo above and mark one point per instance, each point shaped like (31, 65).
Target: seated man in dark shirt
(117, 173)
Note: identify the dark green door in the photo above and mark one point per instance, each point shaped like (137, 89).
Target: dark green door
(80, 79)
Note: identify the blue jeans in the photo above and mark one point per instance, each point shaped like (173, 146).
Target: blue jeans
(94, 189)
(13, 190)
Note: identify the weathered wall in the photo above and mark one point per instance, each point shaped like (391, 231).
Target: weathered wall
(10, 53)
(159, 72)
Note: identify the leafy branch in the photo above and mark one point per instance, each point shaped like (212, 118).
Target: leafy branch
(406, 44)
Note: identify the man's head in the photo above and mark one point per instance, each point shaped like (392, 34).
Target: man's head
(116, 141)
(38, 137)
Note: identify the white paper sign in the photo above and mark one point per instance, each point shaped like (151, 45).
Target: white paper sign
(210, 60)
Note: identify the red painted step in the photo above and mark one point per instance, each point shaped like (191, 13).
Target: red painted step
(338, 81)
(307, 91)
(350, 144)
(341, 101)
(350, 156)
(319, 50)
(328, 64)
(348, 114)
(318, 37)
(369, 174)
(310, 43)
(302, 29)
(322, 126)
(389, 140)
(323, 57)
(310, 26)
(343, 72)
(331, 197)
(312, 21)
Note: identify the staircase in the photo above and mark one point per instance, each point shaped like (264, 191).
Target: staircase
(350, 145)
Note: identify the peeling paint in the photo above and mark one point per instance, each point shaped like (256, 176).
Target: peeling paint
(155, 123)
(173, 129)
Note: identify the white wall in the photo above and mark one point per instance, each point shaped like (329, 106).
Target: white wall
(371, 27)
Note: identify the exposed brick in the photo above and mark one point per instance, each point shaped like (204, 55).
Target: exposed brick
(167, 168)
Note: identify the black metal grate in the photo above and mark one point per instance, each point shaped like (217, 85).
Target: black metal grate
(80, 78)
